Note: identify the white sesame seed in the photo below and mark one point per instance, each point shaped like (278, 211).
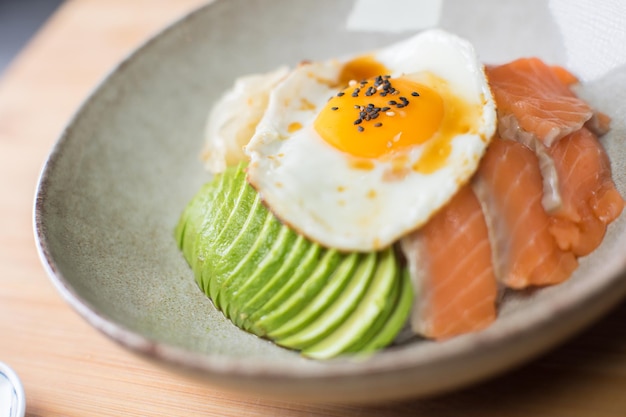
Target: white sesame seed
(390, 113)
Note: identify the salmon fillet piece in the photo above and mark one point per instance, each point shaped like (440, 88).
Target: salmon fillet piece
(450, 263)
(509, 186)
(543, 196)
(540, 98)
(599, 123)
(589, 198)
(564, 75)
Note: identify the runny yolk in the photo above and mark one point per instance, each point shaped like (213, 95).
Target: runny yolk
(380, 115)
(361, 68)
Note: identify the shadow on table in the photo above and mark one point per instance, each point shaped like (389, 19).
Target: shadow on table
(19, 20)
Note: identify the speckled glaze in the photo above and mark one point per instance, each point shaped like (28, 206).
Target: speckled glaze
(115, 183)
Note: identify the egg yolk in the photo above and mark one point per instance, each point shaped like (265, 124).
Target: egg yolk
(379, 116)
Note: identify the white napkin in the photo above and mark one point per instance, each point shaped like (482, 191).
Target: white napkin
(394, 15)
(594, 35)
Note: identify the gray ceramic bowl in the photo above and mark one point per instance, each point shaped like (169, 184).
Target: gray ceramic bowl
(115, 183)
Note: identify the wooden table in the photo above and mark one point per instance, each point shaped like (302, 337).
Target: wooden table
(69, 369)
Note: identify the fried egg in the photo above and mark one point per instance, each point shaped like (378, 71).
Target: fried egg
(356, 153)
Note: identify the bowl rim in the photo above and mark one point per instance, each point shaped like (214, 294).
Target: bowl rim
(8, 374)
(605, 293)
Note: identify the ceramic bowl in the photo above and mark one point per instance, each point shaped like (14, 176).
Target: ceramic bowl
(116, 182)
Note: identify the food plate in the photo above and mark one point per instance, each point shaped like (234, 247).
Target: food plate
(114, 185)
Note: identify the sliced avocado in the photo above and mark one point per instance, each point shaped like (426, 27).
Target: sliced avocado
(258, 291)
(341, 277)
(247, 253)
(214, 218)
(395, 322)
(299, 297)
(234, 240)
(357, 324)
(192, 218)
(275, 283)
(246, 209)
(300, 332)
(379, 321)
(247, 285)
(199, 212)
(313, 260)
(222, 203)
(193, 215)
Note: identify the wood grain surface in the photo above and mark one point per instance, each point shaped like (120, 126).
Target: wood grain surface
(69, 369)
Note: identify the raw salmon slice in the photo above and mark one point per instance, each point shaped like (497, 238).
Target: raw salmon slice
(589, 198)
(564, 75)
(450, 264)
(509, 186)
(599, 123)
(539, 97)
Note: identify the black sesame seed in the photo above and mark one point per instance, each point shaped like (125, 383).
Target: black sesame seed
(399, 106)
(341, 93)
(385, 108)
(360, 128)
(415, 94)
(358, 121)
(378, 124)
(392, 102)
(334, 108)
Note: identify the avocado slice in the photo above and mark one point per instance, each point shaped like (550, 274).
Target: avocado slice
(357, 324)
(248, 251)
(218, 208)
(191, 221)
(299, 297)
(341, 277)
(300, 332)
(277, 295)
(234, 241)
(249, 282)
(395, 322)
(199, 212)
(258, 291)
(379, 321)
